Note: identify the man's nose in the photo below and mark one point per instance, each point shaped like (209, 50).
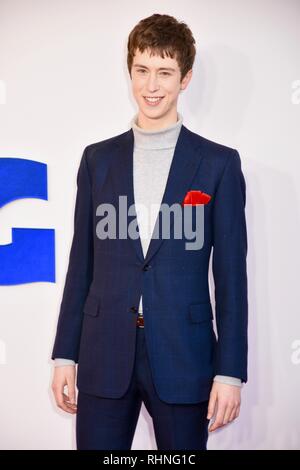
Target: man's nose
(152, 84)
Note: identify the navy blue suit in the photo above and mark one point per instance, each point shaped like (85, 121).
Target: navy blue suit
(105, 278)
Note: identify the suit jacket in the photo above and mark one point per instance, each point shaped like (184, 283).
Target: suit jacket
(105, 277)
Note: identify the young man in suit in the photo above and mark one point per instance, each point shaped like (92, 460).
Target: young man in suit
(136, 313)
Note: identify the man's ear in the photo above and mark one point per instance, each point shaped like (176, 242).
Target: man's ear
(186, 79)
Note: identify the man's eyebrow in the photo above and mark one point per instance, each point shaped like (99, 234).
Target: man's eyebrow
(160, 68)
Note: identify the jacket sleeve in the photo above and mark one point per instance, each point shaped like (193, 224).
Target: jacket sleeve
(230, 271)
(80, 270)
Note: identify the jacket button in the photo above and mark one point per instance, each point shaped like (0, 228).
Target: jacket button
(133, 309)
(146, 267)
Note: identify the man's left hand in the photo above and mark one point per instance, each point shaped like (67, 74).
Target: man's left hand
(224, 404)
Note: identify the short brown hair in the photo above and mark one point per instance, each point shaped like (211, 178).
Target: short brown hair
(159, 34)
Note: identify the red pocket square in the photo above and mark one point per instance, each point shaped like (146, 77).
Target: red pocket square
(196, 197)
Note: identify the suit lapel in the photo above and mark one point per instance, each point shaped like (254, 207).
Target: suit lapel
(186, 160)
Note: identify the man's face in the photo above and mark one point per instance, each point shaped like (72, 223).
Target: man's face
(158, 78)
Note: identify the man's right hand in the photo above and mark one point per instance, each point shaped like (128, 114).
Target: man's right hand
(65, 376)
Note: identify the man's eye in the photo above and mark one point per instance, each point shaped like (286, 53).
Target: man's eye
(163, 73)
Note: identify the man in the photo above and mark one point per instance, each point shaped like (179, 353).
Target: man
(136, 313)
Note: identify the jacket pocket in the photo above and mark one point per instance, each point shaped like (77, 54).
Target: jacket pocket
(200, 312)
(92, 305)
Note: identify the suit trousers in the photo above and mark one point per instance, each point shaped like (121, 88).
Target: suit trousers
(110, 423)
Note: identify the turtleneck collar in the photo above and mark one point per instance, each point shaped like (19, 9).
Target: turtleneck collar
(161, 139)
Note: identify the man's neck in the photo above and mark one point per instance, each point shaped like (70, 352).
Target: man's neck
(156, 139)
(152, 124)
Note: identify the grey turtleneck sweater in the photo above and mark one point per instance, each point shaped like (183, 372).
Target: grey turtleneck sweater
(152, 158)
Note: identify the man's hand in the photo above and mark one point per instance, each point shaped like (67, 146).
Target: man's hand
(224, 403)
(65, 376)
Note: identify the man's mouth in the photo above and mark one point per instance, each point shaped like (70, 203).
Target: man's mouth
(153, 100)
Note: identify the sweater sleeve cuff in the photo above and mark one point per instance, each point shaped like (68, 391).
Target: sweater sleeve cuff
(225, 379)
(63, 362)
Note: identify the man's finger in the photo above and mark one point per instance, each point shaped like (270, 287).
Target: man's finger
(218, 422)
(211, 406)
(67, 408)
(71, 389)
(233, 414)
(68, 403)
(228, 412)
(60, 401)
